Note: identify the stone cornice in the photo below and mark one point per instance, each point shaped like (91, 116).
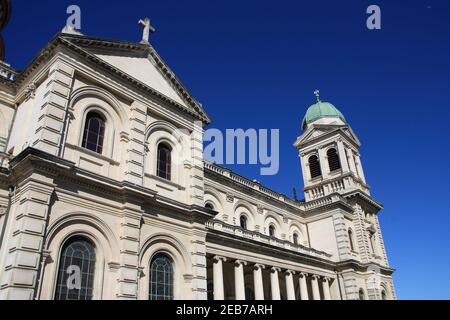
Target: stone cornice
(249, 245)
(363, 267)
(231, 229)
(338, 178)
(221, 174)
(365, 200)
(333, 130)
(336, 201)
(33, 160)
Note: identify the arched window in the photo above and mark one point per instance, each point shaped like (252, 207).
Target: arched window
(94, 132)
(383, 295)
(161, 278)
(314, 167)
(244, 222)
(361, 295)
(272, 231)
(76, 270)
(295, 239)
(209, 206)
(350, 237)
(164, 169)
(333, 160)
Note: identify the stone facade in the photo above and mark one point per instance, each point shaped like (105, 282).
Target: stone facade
(52, 190)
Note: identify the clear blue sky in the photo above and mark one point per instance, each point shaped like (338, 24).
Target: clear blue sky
(256, 65)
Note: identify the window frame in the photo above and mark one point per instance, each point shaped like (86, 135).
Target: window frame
(168, 174)
(94, 113)
(93, 271)
(315, 172)
(171, 295)
(296, 239)
(243, 218)
(351, 239)
(336, 165)
(272, 231)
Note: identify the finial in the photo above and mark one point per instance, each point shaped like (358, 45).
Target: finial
(147, 30)
(317, 94)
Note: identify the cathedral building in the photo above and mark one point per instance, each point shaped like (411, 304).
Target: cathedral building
(104, 192)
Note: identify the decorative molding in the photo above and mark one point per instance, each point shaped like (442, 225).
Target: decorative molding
(47, 257)
(30, 91)
(230, 198)
(124, 137)
(239, 263)
(219, 258)
(260, 209)
(113, 266)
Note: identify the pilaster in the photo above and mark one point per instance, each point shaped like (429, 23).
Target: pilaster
(134, 172)
(197, 178)
(350, 286)
(380, 240)
(343, 242)
(128, 271)
(199, 264)
(24, 237)
(361, 234)
(342, 157)
(52, 103)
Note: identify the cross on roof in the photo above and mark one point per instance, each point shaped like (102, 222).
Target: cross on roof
(147, 30)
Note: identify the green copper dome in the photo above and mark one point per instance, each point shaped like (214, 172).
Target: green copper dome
(321, 110)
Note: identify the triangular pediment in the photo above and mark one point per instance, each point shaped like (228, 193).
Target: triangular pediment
(349, 133)
(143, 69)
(135, 63)
(315, 132)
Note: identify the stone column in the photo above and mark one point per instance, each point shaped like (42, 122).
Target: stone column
(315, 287)
(239, 281)
(219, 293)
(343, 157)
(326, 288)
(290, 290)
(359, 168)
(305, 169)
(275, 284)
(323, 163)
(258, 281)
(303, 287)
(351, 161)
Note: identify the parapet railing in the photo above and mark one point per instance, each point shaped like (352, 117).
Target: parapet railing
(218, 225)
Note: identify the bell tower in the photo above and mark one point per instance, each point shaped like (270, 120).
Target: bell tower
(329, 153)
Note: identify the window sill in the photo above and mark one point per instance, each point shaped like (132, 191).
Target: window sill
(316, 179)
(336, 172)
(170, 183)
(93, 154)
